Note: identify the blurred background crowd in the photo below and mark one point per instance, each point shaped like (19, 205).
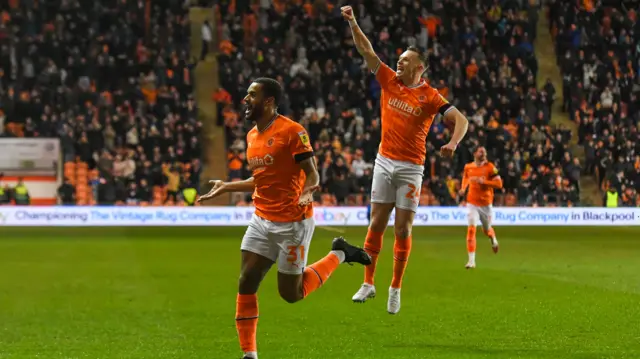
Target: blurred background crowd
(598, 50)
(114, 80)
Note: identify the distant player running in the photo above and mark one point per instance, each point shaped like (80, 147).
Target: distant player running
(479, 179)
(408, 107)
(284, 178)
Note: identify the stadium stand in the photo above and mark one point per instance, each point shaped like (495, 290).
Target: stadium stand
(119, 95)
(598, 48)
(481, 58)
(112, 79)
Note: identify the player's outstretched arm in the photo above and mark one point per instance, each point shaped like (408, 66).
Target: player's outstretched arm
(363, 45)
(312, 183)
(220, 187)
(452, 115)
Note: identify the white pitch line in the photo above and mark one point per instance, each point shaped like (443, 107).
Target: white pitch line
(333, 229)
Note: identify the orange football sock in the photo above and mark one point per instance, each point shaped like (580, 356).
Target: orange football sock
(316, 274)
(247, 321)
(401, 251)
(471, 239)
(373, 246)
(489, 233)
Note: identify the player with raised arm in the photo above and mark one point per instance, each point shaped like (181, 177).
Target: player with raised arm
(479, 179)
(408, 107)
(284, 179)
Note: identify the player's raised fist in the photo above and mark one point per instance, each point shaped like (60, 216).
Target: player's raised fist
(347, 12)
(448, 150)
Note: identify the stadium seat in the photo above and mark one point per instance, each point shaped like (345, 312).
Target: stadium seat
(29, 105)
(328, 200)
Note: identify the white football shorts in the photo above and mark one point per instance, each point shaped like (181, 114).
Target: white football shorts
(285, 243)
(482, 214)
(397, 182)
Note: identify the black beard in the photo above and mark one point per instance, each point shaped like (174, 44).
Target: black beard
(255, 114)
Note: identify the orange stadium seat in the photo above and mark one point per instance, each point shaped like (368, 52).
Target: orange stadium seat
(432, 200)
(22, 95)
(82, 175)
(70, 172)
(82, 196)
(158, 195)
(82, 185)
(351, 200)
(328, 199)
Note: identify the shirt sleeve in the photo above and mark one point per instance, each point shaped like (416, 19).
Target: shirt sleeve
(494, 181)
(299, 143)
(384, 74)
(493, 171)
(438, 104)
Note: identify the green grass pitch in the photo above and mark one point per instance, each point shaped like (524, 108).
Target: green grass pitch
(170, 293)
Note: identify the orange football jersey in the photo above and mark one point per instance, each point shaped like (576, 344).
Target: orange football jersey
(479, 194)
(407, 114)
(279, 179)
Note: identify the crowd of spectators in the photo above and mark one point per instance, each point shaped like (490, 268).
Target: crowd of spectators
(481, 58)
(598, 47)
(112, 79)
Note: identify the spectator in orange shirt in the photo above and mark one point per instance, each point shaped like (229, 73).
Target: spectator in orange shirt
(472, 69)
